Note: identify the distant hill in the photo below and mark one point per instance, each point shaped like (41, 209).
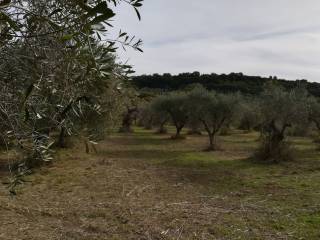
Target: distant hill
(232, 82)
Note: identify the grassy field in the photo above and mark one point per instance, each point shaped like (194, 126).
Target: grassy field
(146, 186)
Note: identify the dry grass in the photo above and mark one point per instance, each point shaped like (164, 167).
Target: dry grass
(146, 186)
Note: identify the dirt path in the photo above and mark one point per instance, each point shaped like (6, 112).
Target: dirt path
(118, 194)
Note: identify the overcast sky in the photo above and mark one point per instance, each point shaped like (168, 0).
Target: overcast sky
(256, 37)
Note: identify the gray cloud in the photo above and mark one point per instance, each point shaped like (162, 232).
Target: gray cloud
(274, 34)
(275, 37)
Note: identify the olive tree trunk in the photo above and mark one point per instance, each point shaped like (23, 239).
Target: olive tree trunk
(178, 131)
(274, 147)
(128, 120)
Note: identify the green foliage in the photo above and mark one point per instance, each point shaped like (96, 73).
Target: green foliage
(71, 21)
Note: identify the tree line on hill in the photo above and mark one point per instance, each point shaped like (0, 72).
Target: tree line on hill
(225, 83)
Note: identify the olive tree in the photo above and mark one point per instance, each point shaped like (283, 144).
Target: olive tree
(150, 117)
(132, 105)
(176, 106)
(58, 69)
(314, 113)
(213, 110)
(160, 116)
(194, 126)
(146, 116)
(280, 110)
(55, 65)
(249, 114)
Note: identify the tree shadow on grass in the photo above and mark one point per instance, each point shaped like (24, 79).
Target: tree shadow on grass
(147, 141)
(148, 156)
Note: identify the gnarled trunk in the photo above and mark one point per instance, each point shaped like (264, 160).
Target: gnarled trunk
(274, 146)
(127, 120)
(212, 142)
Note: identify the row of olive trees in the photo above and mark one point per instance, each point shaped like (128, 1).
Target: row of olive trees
(195, 108)
(272, 113)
